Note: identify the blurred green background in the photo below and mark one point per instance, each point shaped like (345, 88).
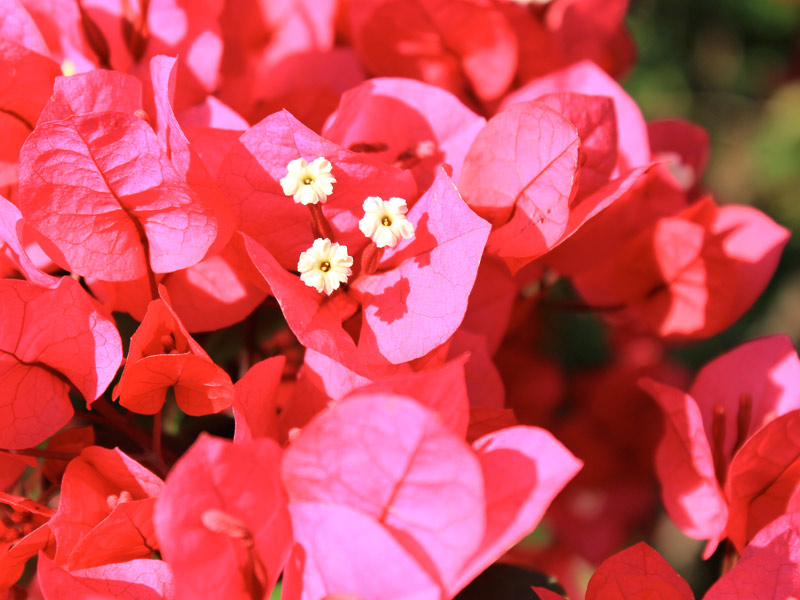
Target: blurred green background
(733, 66)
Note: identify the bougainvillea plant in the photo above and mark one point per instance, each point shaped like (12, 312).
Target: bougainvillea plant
(279, 285)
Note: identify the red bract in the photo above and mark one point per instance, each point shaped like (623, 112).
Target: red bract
(522, 173)
(23, 532)
(105, 510)
(519, 173)
(106, 201)
(11, 233)
(255, 400)
(638, 571)
(690, 275)
(769, 567)
(50, 341)
(397, 479)
(685, 146)
(405, 123)
(596, 122)
(455, 44)
(140, 579)
(27, 73)
(418, 297)
(222, 521)
(264, 41)
(743, 438)
(125, 36)
(591, 30)
(93, 92)
(587, 78)
(162, 354)
(763, 480)
(163, 73)
(441, 388)
(250, 176)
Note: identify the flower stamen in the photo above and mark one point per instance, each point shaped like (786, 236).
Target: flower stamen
(385, 221)
(308, 183)
(325, 266)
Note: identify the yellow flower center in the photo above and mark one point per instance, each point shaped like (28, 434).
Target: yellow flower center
(386, 222)
(325, 267)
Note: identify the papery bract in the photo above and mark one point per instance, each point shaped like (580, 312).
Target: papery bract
(407, 123)
(451, 44)
(754, 383)
(692, 496)
(254, 403)
(419, 296)
(50, 340)
(679, 275)
(162, 354)
(140, 579)
(13, 560)
(314, 572)
(585, 29)
(27, 73)
(267, 43)
(17, 25)
(763, 480)
(524, 469)
(163, 73)
(107, 203)
(379, 454)
(105, 510)
(426, 484)
(96, 91)
(521, 168)
(222, 522)
(769, 567)
(12, 229)
(684, 145)
(322, 382)
(313, 97)
(490, 303)
(596, 121)
(727, 430)
(587, 78)
(634, 571)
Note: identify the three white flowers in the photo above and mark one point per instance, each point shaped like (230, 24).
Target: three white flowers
(326, 264)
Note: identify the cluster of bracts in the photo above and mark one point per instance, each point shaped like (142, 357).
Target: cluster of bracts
(408, 183)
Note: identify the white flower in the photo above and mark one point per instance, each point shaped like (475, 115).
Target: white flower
(325, 265)
(385, 221)
(309, 183)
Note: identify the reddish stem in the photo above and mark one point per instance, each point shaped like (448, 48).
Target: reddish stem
(370, 258)
(319, 224)
(718, 441)
(118, 422)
